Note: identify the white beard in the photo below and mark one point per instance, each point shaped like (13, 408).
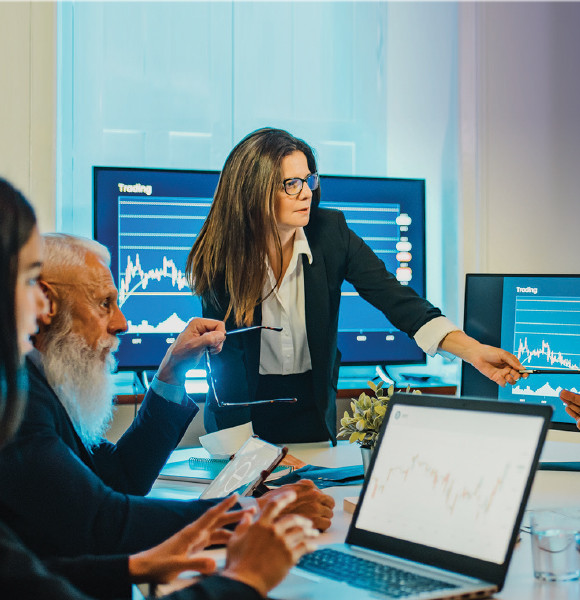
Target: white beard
(82, 380)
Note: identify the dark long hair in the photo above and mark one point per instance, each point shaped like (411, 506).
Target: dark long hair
(17, 220)
(229, 254)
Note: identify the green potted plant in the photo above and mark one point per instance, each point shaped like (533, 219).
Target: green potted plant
(363, 425)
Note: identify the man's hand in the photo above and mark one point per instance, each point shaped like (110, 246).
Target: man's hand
(164, 562)
(310, 502)
(572, 402)
(496, 364)
(187, 349)
(261, 554)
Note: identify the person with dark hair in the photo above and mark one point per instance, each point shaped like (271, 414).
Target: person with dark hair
(267, 254)
(259, 555)
(16, 226)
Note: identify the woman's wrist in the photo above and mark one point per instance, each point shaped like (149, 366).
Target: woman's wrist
(246, 578)
(460, 344)
(138, 568)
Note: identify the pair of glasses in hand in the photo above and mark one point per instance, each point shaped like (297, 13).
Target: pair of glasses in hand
(252, 328)
(221, 403)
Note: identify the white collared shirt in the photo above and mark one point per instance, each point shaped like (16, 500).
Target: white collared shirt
(286, 352)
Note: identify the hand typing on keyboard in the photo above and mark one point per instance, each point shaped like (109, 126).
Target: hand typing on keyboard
(260, 554)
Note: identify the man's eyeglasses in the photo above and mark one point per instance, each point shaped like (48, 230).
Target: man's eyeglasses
(294, 186)
(220, 403)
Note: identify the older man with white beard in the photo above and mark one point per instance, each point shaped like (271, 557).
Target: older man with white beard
(63, 488)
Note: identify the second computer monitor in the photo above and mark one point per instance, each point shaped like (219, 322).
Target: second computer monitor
(537, 318)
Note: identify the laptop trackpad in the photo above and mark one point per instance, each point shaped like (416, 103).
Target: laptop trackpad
(299, 585)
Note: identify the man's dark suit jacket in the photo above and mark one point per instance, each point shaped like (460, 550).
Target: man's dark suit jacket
(338, 254)
(22, 575)
(62, 500)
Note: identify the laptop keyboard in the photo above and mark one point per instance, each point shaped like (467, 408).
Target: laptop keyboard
(369, 575)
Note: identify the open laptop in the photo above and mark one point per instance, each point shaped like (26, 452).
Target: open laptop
(442, 503)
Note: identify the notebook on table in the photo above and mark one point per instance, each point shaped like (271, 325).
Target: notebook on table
(200, 467)
(440, 509)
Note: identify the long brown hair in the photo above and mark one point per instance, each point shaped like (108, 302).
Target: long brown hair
(229, 254)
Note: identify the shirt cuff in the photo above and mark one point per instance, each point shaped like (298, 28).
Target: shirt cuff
(432, 333)
(170, 392)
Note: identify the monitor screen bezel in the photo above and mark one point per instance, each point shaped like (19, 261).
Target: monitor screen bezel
(138, 366)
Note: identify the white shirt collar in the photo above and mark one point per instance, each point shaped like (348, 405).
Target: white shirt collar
(301, 245)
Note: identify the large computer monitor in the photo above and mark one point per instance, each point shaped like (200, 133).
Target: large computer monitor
(149, 218)
(537, 318)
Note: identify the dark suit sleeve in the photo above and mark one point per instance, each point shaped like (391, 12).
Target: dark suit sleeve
(404, 308)
(22, 575)
(217, 588)
(105, 577)
(58, 505)
(133, 463)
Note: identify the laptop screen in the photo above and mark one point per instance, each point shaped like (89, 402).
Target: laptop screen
(451, 479)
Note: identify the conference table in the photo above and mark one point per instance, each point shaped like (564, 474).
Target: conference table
(550, 489)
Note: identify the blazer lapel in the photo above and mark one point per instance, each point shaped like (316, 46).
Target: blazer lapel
(251, 345)
(316, 299)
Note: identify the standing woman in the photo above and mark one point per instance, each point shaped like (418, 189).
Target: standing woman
(267, 254)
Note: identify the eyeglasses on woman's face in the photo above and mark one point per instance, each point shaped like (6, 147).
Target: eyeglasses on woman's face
(294, 185)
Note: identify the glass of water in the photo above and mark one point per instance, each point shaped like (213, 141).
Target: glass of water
(555, 545)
